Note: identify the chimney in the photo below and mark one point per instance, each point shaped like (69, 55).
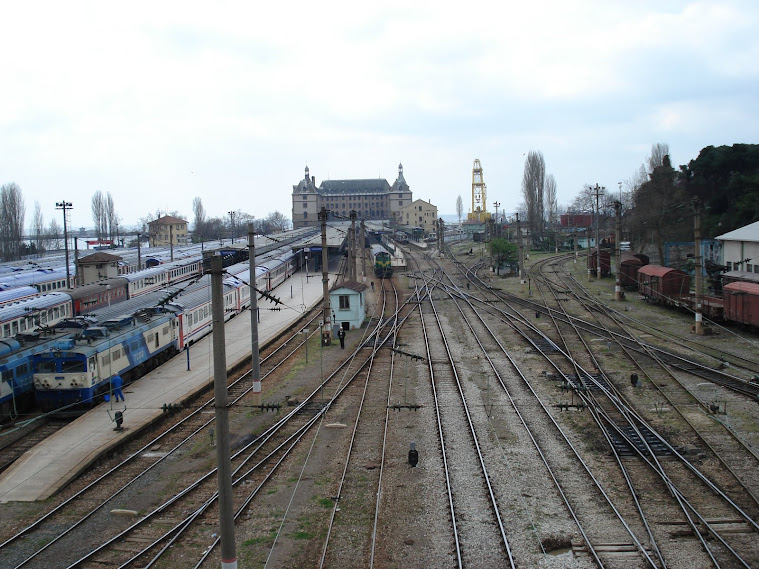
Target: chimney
(313, 180)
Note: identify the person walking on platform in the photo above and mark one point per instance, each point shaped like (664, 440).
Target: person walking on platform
(116, 383)
(341, 335)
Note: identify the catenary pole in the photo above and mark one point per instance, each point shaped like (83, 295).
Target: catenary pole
(327, 328)
(254, 353)
(224, 464)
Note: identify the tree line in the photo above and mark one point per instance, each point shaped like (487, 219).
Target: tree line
(657, 199)
(15, 244)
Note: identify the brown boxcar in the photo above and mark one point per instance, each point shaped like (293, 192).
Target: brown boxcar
(630, 265)
(741, 301)
(643, 258)
(605, 262)
(663, 284)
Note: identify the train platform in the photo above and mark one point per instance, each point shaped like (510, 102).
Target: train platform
(53, 463)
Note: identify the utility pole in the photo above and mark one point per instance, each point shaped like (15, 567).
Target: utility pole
(171, 240)
(441, 235)
(65, 206)
(699, 328)
(232, 225)
(574, 238)
(587, 237)
(254, 353)
(139, 253)
(618, 294)
(327, 328)
(224, 465)
(363, 251)
(598, 191)
(497, 232)
(521, 250)
(352, 253)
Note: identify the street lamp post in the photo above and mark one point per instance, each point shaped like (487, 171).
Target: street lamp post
(497, 232)
(232, 224)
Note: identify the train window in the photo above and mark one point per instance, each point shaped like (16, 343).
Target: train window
(23, 369)
(46, 366)
(6, 330)
(14, 327)
(105, 360)
(345, 302)
(116, 354)
(72, 366)
(8, 375)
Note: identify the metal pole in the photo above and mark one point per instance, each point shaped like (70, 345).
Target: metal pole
(521, 250)
(699, 329)
(64, 205)
(255, 356)
(618, 238)
(598, 191)
(327, 330)
(352, 255)
(363, 251)
(224, 465)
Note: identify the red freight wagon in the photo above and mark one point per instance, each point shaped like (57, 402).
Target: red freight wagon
(629, 267)
(741, 300)
(605, 262)
(662, 284)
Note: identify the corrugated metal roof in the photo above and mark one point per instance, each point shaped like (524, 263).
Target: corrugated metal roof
(658, 270)
(740, 286)
(748, 232)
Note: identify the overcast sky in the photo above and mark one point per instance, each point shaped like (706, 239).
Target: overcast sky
(162, 102)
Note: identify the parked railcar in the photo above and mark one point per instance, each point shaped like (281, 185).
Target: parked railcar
(44, 280)
(629, 267)
(17, 294)
(741, 303)
(605, 262)
(662, 284)
(32, 313)
(96, 295)
(382, 261)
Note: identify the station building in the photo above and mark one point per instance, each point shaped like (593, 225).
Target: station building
(371, 198)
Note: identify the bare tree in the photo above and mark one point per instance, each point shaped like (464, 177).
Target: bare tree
(12, 213)
(54, 236)
(99, 214)
(459, 207)
(658, 152)
(200, 218)
(112, 217)
(38, 227)
(533, 189)
(552, 205)
(279, 221)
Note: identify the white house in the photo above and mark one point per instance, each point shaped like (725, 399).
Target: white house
(740, 248)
